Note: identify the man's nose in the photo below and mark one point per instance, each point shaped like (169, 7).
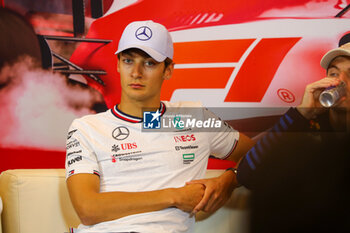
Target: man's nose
(136, 71)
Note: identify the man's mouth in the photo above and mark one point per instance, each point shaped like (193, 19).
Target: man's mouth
(136, 85)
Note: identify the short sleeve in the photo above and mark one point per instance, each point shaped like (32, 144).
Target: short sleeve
(223, 140)
(80, 157)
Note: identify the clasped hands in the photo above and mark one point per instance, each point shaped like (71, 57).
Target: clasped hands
(206, 194)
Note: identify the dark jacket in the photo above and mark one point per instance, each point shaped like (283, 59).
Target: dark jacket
(299, 176)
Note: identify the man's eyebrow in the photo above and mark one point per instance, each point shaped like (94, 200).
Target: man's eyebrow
(332, 66)
(131, 54)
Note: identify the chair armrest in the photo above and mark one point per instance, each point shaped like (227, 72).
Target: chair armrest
(36, 200)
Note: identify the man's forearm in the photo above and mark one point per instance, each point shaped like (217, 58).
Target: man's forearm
(100, 207)
(93, 206)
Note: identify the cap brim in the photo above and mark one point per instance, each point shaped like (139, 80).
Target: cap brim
(154, 54)
(328, 57)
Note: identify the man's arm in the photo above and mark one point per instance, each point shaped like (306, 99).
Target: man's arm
(285, 134)
(93, 207)
(219, 189)
(244, 144)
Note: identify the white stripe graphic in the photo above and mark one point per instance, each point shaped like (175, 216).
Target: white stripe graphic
(205, 65)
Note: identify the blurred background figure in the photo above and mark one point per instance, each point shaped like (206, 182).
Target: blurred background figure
(299, 171)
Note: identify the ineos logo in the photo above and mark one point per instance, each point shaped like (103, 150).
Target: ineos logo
(120, 133)
(143, 33)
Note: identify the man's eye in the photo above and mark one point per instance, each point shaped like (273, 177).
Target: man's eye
(127, 60)
(150, 63)
(333, 74)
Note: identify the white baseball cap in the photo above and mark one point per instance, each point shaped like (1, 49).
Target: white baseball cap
(152, 38)
(343, 50)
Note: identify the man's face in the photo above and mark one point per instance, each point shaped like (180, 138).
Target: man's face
(141, 76)
(340, 68)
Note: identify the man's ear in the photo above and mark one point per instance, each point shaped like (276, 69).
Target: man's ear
(169, 71)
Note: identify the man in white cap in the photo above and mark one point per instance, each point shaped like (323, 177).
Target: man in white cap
(299, 171)
(121, 179)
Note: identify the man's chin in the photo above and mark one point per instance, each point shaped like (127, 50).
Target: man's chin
(139, 97)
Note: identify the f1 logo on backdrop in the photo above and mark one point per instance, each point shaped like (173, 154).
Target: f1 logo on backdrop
(210, 64)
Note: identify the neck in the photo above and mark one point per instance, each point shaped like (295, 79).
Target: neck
(136, 108)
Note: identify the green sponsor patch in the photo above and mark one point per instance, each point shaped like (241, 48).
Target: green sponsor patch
(188, 156)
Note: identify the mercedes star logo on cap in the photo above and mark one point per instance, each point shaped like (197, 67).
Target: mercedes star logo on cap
(143, 33)
(120, 133)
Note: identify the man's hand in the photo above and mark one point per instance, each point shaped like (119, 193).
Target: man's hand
(217, 191)
(310, 106)
(187, 197)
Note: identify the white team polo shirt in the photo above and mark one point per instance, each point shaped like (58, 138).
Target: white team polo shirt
(113, 146)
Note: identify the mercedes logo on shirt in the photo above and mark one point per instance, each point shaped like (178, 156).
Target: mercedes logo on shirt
(143, 33)
(120, 133)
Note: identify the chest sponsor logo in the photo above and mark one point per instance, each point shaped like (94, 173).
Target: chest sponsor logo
(188, 158)
(76, 159)
(126, 155)
(115, 148)
(185, 138)
(185, 147)
(128, 146)
(120, 133)
(124, 146)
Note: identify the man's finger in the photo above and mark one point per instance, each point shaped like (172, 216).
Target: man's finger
(212, 205)
(204, 201)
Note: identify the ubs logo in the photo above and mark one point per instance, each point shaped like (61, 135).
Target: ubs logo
(120, 133)
(124, 146)
(143, 33)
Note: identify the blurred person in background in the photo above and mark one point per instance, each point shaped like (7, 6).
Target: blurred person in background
(299, 171)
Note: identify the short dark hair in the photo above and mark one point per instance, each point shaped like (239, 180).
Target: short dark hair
(167, 61)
